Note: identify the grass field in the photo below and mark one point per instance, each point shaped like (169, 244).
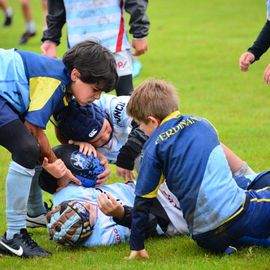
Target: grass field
(196, 46)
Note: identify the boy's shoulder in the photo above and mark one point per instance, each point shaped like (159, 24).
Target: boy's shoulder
(37, 65)
(181, 125)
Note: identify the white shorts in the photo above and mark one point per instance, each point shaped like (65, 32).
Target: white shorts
(123, 62)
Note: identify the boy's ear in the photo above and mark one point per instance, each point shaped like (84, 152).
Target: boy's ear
(154, 121)
(75, 74)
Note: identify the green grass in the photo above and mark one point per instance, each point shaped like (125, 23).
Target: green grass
(196, 46)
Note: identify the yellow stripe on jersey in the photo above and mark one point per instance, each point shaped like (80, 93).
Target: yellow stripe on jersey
(153, 194)
(175, 114)
(41, 90)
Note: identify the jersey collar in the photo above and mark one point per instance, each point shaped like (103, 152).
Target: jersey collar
(175, 114)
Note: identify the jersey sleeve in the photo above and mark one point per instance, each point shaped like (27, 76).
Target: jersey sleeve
(46, 95)
(149, 178)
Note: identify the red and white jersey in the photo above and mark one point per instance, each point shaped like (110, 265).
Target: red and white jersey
(98, 20)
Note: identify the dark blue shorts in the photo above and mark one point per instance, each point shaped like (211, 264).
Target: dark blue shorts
(7, 113)
(253, 221)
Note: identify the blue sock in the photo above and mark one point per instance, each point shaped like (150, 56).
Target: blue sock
(35, 206)
(18, 183)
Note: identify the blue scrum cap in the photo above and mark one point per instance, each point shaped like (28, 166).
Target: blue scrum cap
(85, 168)
(81, 123)
(68, 223)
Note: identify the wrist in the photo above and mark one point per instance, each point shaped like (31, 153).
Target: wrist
(120, 212)
(49, 42)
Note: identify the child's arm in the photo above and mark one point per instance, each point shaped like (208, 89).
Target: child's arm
(122, 214)
(259, 47)
(139, 24)
(138, 228)
(129, 152)
(237, 165)
(56, 19)
(45, 149)
(56, 168)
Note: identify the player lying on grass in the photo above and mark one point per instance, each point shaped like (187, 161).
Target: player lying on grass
(102, 216)
(65, 221)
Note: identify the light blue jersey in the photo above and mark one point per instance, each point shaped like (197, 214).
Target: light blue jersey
(106, 231)
(101, 21)
(14, 85)
(115, 107)
(34, 85)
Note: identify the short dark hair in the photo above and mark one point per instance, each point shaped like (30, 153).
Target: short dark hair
(95, 63)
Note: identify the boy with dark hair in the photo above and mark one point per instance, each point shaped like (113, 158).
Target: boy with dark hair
(185, 150)
(32, 88)
(103, 21)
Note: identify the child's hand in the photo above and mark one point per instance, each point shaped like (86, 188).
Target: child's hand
(48, 48)
(125, 174)
(57, 168)
(110, 206)
(66, 179)
(245, 60)
(140, 45)
(138, 254)
(85, 148)
(102, 178)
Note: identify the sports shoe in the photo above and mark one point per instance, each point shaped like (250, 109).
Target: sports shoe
(22, 246)
(26, 36)
(37, 221)
(8, 21)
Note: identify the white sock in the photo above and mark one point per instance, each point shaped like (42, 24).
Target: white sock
(9, 12)
(18, 183)
(30, 27)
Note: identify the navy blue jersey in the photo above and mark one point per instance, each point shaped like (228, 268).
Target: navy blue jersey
(185, 151)
(34, 85)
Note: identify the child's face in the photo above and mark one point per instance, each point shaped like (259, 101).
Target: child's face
(103, 136)
(83, 92)
(150, 127)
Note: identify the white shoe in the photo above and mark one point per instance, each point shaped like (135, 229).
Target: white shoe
(35, 222)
